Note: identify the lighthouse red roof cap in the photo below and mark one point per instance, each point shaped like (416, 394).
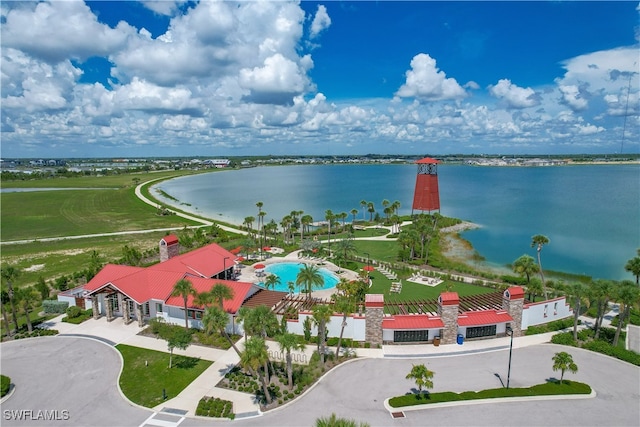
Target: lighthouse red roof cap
(427, 160)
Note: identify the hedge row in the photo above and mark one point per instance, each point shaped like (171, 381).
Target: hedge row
(51, 306)
(5, 385)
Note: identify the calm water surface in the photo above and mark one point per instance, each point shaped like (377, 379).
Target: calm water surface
(591, 214)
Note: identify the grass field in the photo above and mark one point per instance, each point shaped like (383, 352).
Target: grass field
(34, 215)
(146, 374)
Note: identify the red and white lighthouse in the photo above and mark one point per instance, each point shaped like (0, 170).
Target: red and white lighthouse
(426, 196)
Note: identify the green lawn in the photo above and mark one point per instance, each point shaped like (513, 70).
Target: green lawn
(146, 373)
(413, 291)
(33, 215)
(546, 389)
(53, 259)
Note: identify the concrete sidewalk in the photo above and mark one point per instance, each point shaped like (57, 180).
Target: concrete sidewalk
(244, 404)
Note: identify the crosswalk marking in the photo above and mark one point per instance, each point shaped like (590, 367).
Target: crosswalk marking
(152, 421)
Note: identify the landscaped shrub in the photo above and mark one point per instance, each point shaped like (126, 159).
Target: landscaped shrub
(36, 333)
(73, 311)
(50, 306)
(565, 338)
(5, 385)
(556, 325)
(514, 280)
(610, 350)
(215, 407)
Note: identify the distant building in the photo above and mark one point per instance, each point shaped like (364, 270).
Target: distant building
(217, 163)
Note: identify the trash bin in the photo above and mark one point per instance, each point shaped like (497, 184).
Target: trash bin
(436, 341)
(460, 339)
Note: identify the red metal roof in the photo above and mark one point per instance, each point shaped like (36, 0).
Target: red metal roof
(479, 318)
(427, 160)
(412, 321)
(449, 298)
(514, 292)
(108, 273)
(171, 239)
(374, 300)
(157, 282)
(206, 261)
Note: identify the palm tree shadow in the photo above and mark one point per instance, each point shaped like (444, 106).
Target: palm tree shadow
(553, 380)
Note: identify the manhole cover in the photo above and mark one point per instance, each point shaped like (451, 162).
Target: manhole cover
(397, 414)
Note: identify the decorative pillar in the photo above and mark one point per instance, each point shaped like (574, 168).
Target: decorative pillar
(513, 303)
(126, 312)
(109, 307)
(448, 303)
(374, 312)
(139, 315)
(95, 307)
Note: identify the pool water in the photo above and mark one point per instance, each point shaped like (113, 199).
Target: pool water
(288, 272)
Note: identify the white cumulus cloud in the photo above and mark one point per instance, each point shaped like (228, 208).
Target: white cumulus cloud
(513, 95)
(426, 82)
(321, 21)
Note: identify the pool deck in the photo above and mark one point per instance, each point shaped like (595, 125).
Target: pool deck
(249, 274)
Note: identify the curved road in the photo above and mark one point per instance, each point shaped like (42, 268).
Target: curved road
(80, 376)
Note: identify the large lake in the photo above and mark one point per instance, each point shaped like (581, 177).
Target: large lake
(591, 214)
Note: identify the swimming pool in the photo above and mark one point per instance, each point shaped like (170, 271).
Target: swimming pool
(288, 272)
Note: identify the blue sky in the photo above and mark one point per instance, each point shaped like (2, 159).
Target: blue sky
(174, 78)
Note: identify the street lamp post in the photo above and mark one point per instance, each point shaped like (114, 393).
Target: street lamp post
(509, 332)
(224, 263)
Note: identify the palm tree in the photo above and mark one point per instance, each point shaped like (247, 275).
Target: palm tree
(525, 266)
(578, 291)
(321, 316)
(371, 209)
(308, 278)
(248, 222)
(353, 212)
(535, 288)
(289, 342)
(183, 288)
(346, 247)
(334, 421)
(329, 216)
(261, 321)
(538, 241)
(600, 291)
(9, 273)
(346, 306)
(563, 361)
(305, 222)
(254, 355)
(364, 204)
(627, 294)
(633, 266)
(28, 298)
(221, 292)
(422, 377)
(272, 281)
(216, 319)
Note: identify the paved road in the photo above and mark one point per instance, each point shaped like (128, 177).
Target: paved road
(66, 374)
(80, 376)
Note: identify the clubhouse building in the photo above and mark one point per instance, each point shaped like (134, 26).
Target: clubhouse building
(137, 294)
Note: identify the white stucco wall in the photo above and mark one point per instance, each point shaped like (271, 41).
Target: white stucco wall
(355, 328)
(545, 311)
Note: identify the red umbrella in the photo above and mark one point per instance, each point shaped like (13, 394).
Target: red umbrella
(259, 266)
(368, 268)
(240, 259)
(266, 248)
